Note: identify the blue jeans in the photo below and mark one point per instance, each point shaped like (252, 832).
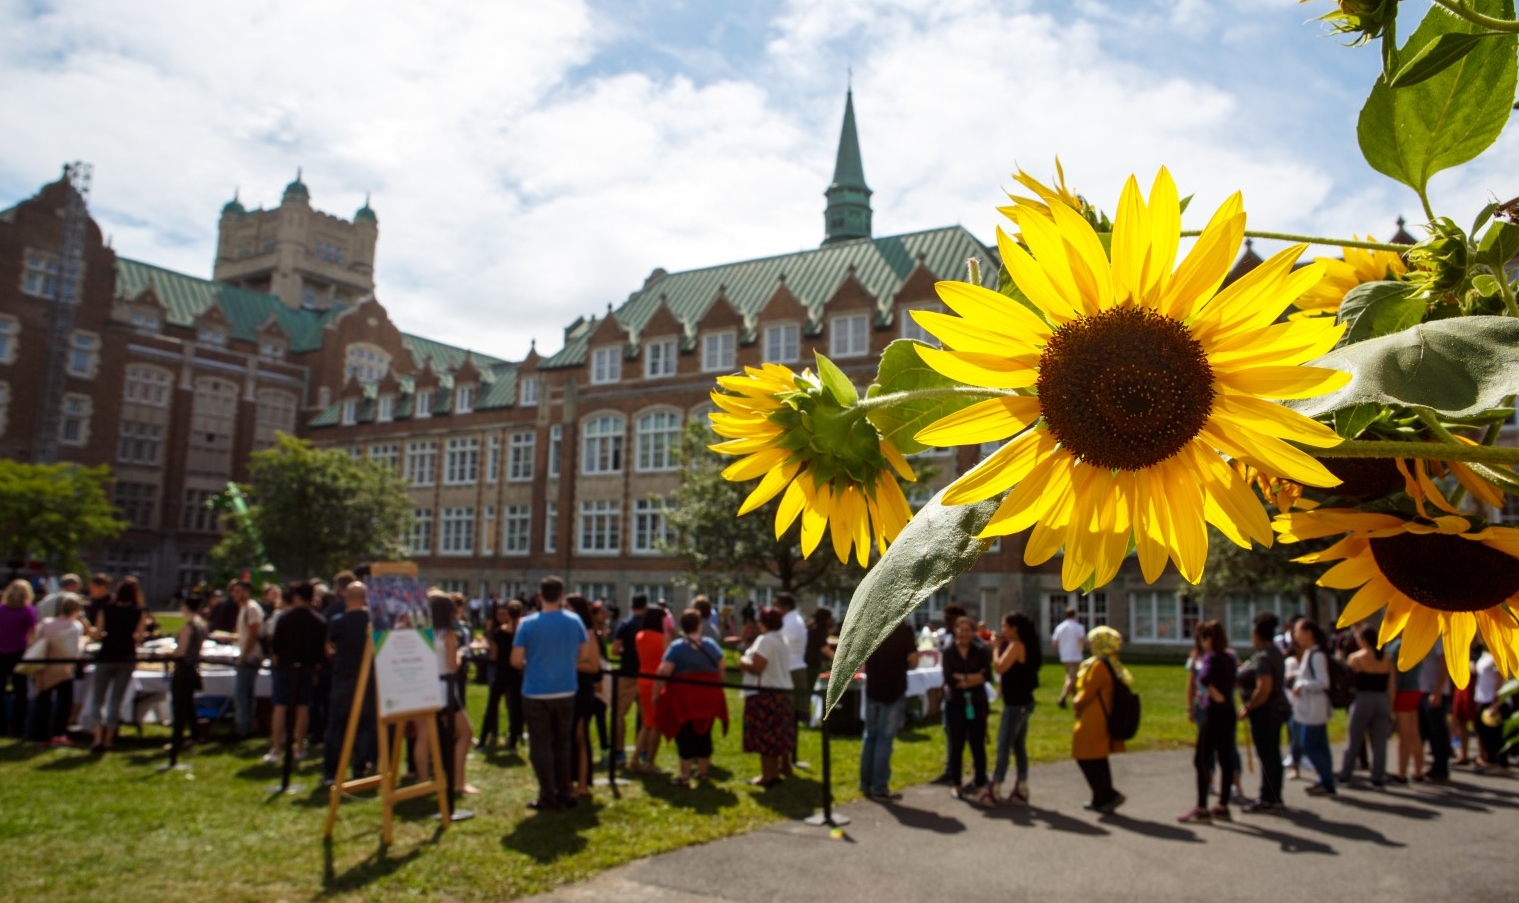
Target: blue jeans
(1315, 739)
(1012, 736)
(242, 696)
(883, 720)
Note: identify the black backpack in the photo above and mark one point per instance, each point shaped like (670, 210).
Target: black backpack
(1123, 718)
(1341, 682)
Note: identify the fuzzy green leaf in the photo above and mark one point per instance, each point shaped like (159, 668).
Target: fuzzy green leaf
(1375, 309)
(1457, 367)
(903, 370)
(1450, 117)
(937, 545)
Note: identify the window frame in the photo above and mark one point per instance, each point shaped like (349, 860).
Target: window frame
(606, 365)
(837, 334)
(604, 519)
(527, 392)
(612, 445)
(671, 440)
(650, 517)
(82, 417)
(521, 449)
(10, 338)
(795, 338)
(712, 362)
(517, 530)
(461, 461)
(663, 364)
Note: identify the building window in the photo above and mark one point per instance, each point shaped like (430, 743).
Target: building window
(5, 406)
(600, 527)
(326, 250)
(527, 392)
(556, 449)
(75, 429)
(145, 322)
(275, 414)
(606, 366)
(41, 273)
(658, 435)
(493, 460)
(196, 517)
(213, 422)
(519, 459)
(461, 465)
(148, 386)
(421, 531)
(517, 530)
(141, 443)
(1091, 609)
(717, 351)
(659, 358)
(385, 455)
(457, 531)
(655, 592)
(849, 335)
(1240, 613)
(421, 461)
(271, 351)
(551, 527)
(192, 569)
(650, 528)
(599, 592)
(366, 362)
(84, 354)
(210, 335)
(10, 333)
(385, 408)
(136, 503)
(1162, 617)
(910, 328)
(601, 446)
(422, 404)
(783, 343)
(464, 399)
(350, 414)
(488, 536)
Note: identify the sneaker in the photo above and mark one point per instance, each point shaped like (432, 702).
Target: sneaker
(887, 797)
(1378, 785)
(1321, 790)
(1220, 813)
(271, 758)
(1261, 807)
(946, 780)
(1112, 805)
(1197, 816)
(1020, 792)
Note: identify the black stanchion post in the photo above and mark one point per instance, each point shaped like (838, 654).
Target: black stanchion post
(827, 818)
(446, 741)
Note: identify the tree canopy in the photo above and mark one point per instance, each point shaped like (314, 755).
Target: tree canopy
(54, 513)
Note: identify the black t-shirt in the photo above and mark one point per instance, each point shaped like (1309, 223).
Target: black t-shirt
(300, 638)
(886, 668)
(94, 606)
(1018, 684)
(120, 627)
(347, 633)
(976, 660)
(1268, 660)
(627, 634)
(223, 615)
(817, 638)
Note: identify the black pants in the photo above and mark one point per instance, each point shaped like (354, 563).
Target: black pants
(507, 686)
(1434, 726)
(964, 730)
(15, 721)
(1099, 777)
(693, 745)
(1266, 734)
(551, 744)
(182, 688)
(1215, 743)
(49, 712)
(366, 750)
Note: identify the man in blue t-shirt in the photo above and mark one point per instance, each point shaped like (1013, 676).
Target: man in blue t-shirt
(550, 649)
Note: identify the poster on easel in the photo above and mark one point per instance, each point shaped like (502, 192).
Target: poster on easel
(406, 672)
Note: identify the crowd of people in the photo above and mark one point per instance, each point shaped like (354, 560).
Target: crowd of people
(548, 659)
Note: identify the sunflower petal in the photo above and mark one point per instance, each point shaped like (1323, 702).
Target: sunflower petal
(1458, 628)
(769, 487)
(1282, 382)
(985, 421)
(1002, 470)
(994, 371)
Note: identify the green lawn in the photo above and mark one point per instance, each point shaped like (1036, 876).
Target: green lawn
(117, 828)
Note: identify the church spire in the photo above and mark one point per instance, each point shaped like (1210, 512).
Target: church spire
(848, 212)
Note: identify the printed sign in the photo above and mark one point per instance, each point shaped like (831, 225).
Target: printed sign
(406, 672)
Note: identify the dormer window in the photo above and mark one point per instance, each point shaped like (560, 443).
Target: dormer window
(143, 321)
(271, 351)
(385, 408)
(849, 335)
(606, 366)
(464, 399)
(717, 351)
(210, 335)
(366, 362)
(783, 343)
(659, 358)
(527, 393)
(422, 407)
(350, 414)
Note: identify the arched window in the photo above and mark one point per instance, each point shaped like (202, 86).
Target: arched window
(367, 362)
(213, 423)
(601, 444)
(276, 414)
(658, 436)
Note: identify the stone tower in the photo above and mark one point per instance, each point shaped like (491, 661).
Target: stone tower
(307, 258)
(848, 213)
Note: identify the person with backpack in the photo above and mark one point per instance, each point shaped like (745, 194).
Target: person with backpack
(1310, 704)
(1216, 721)
(1107, 714)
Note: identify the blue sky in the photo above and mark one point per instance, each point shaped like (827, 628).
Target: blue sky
(532, 162)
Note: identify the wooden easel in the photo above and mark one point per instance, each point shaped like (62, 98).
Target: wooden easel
(389, 765)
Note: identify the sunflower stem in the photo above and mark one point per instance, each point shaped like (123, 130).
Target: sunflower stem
(1494, 430)
(1460, 8)
(895, 398)
(1431, 451)
(1313, 240)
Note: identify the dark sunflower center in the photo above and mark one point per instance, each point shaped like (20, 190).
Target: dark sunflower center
(1125, 389)
(1446, 572)
(1364, 478)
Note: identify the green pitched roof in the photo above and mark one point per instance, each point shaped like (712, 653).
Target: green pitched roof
(187, 297)
(446, 358)
(881, 265)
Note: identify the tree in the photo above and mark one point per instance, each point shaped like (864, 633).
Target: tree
(54, 512)
(1231, 570)
(316, 511)
(728, 554)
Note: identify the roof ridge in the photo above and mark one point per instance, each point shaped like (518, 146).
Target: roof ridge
(818, 250)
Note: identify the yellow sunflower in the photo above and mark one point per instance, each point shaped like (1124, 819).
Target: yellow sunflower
(835, 469)
(1059, 194)
(1145, 378)
(1437, 577)
(1340, 276)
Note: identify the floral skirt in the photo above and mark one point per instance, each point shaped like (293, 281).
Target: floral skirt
(769, 724)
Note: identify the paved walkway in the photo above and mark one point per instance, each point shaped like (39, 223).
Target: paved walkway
(1455, 843)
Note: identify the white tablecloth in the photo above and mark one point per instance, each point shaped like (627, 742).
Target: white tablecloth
(148, 701)
(919, 682)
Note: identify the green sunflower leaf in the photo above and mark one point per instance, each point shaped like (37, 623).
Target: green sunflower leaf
(1451, 116)
(903, 370)
(1374, 309)
(1499, 244)
(1435, 57)
(937, 545)
(1457, 367)
(836, 383)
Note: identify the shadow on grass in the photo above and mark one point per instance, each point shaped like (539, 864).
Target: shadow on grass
(547, 836)
(795, 797)
(81, 759)
(702, 798)
(374, 867)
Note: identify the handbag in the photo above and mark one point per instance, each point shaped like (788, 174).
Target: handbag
(32, 661)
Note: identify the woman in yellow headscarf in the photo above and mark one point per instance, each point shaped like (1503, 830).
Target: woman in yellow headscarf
(1091, 743)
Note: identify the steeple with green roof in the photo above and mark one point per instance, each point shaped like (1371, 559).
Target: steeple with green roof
(848, 214)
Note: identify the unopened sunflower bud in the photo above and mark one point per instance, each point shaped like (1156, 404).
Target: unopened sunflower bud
(1365, 19)
(1439, 262)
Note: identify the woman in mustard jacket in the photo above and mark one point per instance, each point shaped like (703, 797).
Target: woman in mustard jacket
(1091, 743)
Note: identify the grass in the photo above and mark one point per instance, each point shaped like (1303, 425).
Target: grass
(115, 827)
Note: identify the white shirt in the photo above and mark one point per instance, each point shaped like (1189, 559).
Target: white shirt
(794, 634)
(773, 649)
(1068, 638)
(1310, 697)
(1487, 679)
(249, 619)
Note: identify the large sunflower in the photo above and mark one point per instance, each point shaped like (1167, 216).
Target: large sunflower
(838, 474)
(1340, 276)
(1142, 378)
(1437, 577)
